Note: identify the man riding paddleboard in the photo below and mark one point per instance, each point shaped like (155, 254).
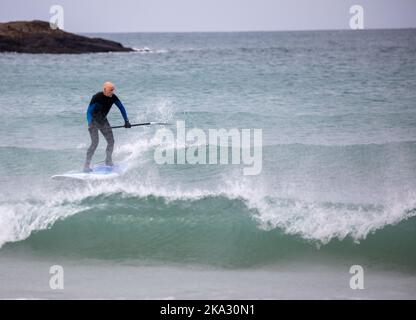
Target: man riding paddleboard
(97, 112)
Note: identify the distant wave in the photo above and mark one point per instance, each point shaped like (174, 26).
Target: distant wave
(148, 50)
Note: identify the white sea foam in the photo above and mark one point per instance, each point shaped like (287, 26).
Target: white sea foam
(145, 50)
(316, 220)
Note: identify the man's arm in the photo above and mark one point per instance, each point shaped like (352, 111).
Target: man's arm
(90, 109)
(122, 110)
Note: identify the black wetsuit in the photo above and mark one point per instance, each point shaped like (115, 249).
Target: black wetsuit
(97, 113)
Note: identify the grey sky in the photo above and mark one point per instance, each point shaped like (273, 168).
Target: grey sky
(212, 15)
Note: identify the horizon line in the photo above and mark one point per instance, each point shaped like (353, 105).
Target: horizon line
(246, 31)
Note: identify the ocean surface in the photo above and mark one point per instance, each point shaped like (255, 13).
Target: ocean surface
(337, 188)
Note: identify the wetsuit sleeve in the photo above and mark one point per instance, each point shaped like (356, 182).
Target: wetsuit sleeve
(89, 112)
(122, 109)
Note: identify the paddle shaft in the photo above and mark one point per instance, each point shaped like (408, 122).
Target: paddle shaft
(133, 125)
(140, 124)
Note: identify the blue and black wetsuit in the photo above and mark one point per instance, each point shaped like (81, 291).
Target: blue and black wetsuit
(97, 112)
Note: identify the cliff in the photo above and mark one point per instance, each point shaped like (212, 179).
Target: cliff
(38, 37)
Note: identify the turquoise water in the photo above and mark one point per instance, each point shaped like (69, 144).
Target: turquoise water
(337, 110)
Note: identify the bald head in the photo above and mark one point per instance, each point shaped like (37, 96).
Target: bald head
(108, 88)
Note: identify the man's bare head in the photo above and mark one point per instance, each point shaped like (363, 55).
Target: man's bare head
(108, 89)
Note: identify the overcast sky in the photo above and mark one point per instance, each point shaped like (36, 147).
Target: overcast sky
(212, 15)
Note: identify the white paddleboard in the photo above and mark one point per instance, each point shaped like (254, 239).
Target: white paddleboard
(99, 172)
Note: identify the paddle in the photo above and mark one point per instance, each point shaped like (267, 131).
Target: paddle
(142, 124)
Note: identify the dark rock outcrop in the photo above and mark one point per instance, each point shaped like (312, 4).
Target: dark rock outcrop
(38, 37)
